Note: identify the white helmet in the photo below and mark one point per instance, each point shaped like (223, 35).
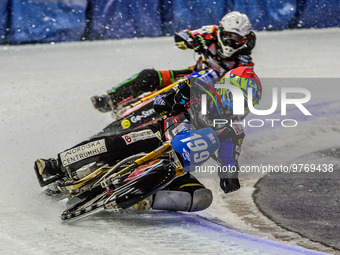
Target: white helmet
(233, 31)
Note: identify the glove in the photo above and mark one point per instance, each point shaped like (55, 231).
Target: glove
(182, 45)
(182, 95)
(163, 102)
(182, 40)
(229, 179)
(199, 45)
(229, 184)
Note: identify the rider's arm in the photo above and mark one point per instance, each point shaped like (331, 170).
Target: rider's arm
(230, 148)
(190, 39)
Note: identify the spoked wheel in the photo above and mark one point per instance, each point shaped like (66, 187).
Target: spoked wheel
(93, 200)
(144, 181)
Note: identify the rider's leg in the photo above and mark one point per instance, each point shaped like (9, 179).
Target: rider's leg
(145, 81)
(185, 193)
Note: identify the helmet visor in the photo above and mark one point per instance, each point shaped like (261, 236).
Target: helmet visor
(232, 39)
(225, 36)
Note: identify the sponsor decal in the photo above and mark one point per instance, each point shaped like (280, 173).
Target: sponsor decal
(135, 174)
(143, 115)
(229, 64)
(213, 50)
(240, 141)
(238, 148)
(184, 35)
(215, 65)
(82, 152)
(126, 124)
(186, 155)
(159, 101)
(182, 84)
(180, 127)
(175, 120)
(212, 138)
(206, 29)
(138, 136)
(171, 123)
(244, 59)
(158, 134)
(139, 171)
(237, 129)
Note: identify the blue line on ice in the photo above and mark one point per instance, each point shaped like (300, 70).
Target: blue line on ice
(228, 235)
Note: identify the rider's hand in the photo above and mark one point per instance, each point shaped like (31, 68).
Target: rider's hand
(229, 179)
(182, 40)
(199, 44)
(181, 45)
(182, 95)
(163, 102)
(229, 184)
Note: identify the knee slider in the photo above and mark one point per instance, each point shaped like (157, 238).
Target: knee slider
(201, 199)
(172, 200)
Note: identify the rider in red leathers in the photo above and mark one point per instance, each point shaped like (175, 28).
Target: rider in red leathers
(222, 48)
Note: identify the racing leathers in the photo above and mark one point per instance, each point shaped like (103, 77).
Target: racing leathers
(180, 99)
(203, 41)
(112, 148)
(185, 193)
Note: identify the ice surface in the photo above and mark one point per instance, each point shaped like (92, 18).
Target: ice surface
(45, 108)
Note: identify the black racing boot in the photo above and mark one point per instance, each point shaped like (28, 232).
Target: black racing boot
(47, 167)
(102, 103)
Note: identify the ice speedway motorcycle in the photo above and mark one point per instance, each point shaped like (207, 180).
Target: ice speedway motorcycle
(97, 186)
(133, 113)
